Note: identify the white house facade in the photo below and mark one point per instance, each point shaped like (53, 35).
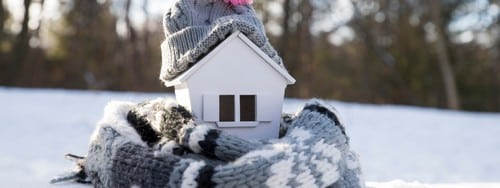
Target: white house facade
(237, 87)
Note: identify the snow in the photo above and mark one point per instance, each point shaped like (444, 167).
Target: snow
(400, 146)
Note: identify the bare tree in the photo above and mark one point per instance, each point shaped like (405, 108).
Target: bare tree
(296, 44)
(494, 53)
(145, 37)
(495, 66)
(133, 48)
(37, 30)
(22, 40)
(3, 18)
(494, 71)
(452, 97)
(285, 36)
(4, 65)
(21, 45)
(305, 48)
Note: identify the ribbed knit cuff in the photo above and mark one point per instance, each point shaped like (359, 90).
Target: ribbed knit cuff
(114, 161)
(320, 120)
(175, 46)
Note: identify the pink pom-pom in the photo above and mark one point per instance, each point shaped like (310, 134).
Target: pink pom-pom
(238, 2)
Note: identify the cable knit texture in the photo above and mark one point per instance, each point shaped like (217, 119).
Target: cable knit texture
(313, 152)
(194, 27)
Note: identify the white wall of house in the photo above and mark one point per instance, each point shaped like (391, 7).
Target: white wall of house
(236, 69)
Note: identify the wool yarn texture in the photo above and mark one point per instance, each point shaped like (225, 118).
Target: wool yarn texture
(194, 27)
(160, 144)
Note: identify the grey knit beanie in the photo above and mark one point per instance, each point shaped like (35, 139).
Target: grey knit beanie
(194, 27)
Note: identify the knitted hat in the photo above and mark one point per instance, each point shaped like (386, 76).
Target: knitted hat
(194, 27)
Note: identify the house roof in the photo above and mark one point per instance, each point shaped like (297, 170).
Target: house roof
(235, 36)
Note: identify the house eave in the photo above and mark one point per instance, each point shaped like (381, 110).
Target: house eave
(172, 83)
(183, 77)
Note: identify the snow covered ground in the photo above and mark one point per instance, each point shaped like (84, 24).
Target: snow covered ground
(399, 146)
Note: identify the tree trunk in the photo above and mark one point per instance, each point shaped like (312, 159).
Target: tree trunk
(288, 48)
(40, 21)
(452, 97)
(21, 46)
(22, 40)
(147, 51)
(285, 36)
(3, 17)
(305, 45)
(495, 79)
(135, 71)
(4, 65)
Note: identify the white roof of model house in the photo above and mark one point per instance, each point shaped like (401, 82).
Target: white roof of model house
(235, 36)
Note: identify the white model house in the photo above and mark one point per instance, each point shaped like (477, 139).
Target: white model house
(237, 87)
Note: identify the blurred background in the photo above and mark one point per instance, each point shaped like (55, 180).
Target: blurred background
(443, 54)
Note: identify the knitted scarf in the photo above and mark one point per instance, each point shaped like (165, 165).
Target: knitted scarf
(160, 144)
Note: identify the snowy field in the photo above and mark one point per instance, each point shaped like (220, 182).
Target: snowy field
(399, 146)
